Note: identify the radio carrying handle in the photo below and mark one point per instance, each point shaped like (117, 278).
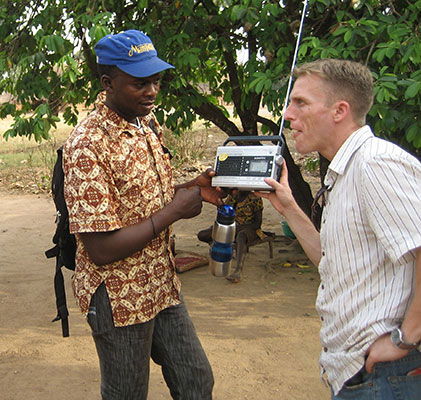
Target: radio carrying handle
(275, 138)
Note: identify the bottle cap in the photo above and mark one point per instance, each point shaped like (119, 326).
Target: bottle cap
(226, 215)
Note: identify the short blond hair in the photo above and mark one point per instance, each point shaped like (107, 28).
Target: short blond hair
(346, 80)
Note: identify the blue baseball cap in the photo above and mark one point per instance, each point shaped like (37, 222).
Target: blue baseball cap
(132, 51)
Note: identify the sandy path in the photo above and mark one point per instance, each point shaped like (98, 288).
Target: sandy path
(261, 335)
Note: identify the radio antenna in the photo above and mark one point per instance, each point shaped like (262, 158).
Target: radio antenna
(278, 138)
(294, 60)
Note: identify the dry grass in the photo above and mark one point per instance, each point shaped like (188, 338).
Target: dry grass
(26, 165)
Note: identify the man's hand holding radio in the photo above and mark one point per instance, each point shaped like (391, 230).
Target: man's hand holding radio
(283, 201)
(210, 194)
(281, 198)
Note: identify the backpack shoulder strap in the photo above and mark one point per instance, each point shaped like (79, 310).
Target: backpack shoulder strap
(62, 311)
(165, 149)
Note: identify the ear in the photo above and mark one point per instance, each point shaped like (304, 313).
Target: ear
(342, 110)
(107, 83)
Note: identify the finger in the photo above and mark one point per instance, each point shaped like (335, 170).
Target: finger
(369, 365)
(223, 193)
(210, 172)
(265, 195)
(284, 174)
(271, 182)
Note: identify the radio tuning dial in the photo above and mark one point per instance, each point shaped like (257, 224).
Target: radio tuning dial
(279, 160)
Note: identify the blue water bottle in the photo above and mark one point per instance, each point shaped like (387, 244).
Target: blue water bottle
(223, 235)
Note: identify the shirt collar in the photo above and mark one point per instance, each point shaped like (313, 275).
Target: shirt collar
(114, 123)
(348, 149)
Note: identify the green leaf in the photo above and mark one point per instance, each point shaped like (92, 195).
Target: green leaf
(99, 32)
(315, 42)
(417, 142)
(259, 86)
(43, 109)
(274, 9)
(348, 36)
(254, 82)
(53, 43)
(389, 85)
(340, 30)
(302, 50)
(7, 109)
(72, 76)
(268, 84)
(389, 78)
(379, 54)
(238, 12)
(412, 132)
(412, 90)
(383, 70)
(390, 52)
(380, 96)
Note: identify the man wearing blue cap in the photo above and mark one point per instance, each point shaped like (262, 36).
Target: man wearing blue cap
(122, 201)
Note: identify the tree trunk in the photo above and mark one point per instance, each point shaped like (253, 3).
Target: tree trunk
(299, 187)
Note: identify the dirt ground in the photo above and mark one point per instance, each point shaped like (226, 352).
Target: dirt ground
(261, 335)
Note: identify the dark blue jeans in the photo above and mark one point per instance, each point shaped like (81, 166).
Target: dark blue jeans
(171, 341)
(389, 381)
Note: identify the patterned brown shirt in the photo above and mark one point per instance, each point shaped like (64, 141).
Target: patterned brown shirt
(246, 210)
(118, 175)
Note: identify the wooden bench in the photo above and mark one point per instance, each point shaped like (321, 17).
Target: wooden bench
(269, 238)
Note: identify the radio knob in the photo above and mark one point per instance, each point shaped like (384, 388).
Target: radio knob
(279, 160)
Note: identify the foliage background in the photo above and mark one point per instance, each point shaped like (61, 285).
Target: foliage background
(226, 52)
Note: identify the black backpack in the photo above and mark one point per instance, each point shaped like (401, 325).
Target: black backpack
(65, 243)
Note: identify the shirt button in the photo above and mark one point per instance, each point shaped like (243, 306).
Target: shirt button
(322, 319)
(323, 253)
(325, 349)
(322, 286)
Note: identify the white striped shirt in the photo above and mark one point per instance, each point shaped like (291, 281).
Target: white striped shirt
(371, 226)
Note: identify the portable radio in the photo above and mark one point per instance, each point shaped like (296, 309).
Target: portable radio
(246, 167)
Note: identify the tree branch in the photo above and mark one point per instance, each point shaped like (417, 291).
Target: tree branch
(89, 57)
